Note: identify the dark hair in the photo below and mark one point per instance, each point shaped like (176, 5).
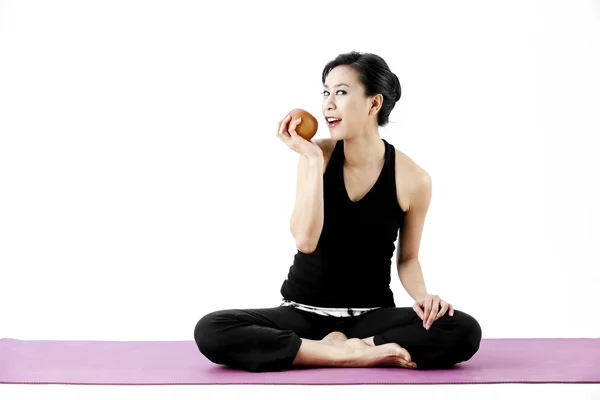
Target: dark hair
(376, 77)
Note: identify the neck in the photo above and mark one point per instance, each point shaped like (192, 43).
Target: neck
(364, 151)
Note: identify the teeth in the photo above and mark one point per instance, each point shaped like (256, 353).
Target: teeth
(332, 119)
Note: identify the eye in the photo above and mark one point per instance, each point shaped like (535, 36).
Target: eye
(325, 91)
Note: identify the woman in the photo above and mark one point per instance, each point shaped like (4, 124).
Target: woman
(355, 192)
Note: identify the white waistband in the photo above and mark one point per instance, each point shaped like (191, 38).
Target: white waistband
(326, 311)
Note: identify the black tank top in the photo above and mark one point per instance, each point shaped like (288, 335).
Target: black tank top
(351, 264)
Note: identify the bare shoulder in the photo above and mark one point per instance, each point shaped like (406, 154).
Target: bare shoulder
(327, 145)
(411, 180)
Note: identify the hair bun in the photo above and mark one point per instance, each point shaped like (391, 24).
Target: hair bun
(398, 88)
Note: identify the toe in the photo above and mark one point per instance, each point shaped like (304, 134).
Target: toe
(405, 354)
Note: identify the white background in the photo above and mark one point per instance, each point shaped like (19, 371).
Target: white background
(142, 185)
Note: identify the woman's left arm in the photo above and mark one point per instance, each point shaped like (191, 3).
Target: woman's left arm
(429, 307)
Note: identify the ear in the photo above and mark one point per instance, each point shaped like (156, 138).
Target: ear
(375, 104)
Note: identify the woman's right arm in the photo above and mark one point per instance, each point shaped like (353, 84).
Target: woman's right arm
(306, 223)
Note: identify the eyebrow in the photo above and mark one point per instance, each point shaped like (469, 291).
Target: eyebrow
(338, 85)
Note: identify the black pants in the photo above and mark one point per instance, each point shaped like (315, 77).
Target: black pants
(268, 339)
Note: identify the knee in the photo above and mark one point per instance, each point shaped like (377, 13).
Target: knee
(206, 333)
(469, 335)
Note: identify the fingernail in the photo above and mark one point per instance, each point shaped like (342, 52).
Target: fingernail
(406, 358)
(427, 327)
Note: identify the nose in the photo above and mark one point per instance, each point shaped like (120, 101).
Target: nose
(328, 105)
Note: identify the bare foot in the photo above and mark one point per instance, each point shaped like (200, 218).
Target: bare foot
(389, 354)
(351, 353)
(386, 355)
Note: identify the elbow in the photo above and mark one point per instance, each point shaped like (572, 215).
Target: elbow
(306, 247)
(304, 243)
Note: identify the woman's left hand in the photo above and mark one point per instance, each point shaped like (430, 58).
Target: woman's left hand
(434, 308)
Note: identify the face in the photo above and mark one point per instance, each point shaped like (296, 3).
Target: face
(344, 98)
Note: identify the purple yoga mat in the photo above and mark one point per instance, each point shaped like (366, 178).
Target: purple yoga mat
(180, 363)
